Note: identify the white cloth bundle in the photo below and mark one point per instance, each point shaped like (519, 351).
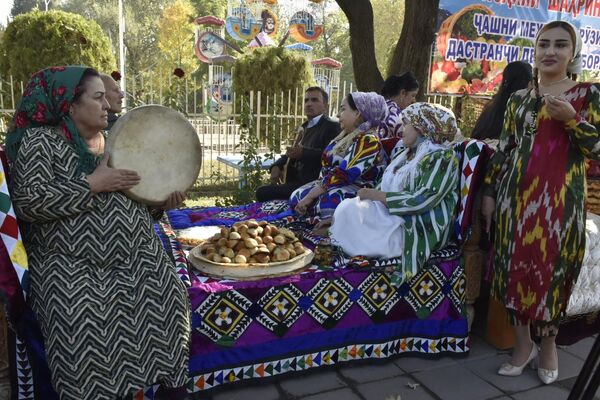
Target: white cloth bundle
(585, 296)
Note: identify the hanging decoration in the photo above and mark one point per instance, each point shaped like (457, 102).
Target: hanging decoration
(242, 24)
(300, 47)
(208, 42)
(303, 27)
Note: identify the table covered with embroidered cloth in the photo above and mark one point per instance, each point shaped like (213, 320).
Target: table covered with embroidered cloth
(347, 310)
(335, 311)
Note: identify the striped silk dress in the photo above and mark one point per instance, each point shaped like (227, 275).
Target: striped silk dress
(421, 196)
(113, 312)
(538, 173)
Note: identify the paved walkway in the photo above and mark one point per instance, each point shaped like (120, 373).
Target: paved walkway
(411, 378)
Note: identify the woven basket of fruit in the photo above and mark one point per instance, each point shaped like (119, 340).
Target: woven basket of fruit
(251, 250)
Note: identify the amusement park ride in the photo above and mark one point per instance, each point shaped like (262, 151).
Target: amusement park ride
(258, 23)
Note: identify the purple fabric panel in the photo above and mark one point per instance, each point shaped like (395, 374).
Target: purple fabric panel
(355, 316)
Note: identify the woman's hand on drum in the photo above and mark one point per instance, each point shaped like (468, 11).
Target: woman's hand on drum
(372, 194)
(559, 108)
(488, 205)
(175, 200)
(107, 179)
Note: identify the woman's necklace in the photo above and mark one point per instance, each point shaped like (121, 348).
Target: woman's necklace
(555, 82)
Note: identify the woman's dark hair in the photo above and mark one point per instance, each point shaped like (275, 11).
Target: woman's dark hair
(87, 75)
(516, 76)
(351, 102)
(396, 83)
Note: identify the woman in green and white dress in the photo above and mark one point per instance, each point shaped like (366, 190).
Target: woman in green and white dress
(411, 214)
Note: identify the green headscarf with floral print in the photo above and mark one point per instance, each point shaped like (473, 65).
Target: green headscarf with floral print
(46, 102)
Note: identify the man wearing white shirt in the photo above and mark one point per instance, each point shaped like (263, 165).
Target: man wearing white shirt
(302, 162)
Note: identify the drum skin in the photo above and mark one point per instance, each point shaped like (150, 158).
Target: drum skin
(161, 145)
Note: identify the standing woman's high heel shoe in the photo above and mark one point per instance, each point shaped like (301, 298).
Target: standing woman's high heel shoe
(507, 369)
(548, 376)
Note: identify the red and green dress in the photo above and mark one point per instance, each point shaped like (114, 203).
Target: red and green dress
(538, 175)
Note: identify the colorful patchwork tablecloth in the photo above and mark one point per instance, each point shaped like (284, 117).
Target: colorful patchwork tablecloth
(322, 316)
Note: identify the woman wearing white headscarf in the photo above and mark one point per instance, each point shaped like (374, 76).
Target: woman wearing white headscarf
(411, 213)
(537, 181)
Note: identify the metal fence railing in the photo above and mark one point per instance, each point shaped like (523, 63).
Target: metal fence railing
(275, 116)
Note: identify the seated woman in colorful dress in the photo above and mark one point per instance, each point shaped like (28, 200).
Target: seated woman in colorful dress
(412, 213)
(354, 159)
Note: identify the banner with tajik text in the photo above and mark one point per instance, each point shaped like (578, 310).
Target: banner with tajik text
(476, 39)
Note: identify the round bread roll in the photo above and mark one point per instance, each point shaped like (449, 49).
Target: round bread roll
(239, 259)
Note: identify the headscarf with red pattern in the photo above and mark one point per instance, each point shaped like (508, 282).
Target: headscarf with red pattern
(46, 102)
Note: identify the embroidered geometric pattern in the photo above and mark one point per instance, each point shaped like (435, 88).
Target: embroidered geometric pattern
(146, 393)
(274, 206)
(470, 159)
(426, 289)
(458, 288)
(24, 374)
(378, 295)
(329, 357)
(330, 300)
(224, 315)
(231, 215)
(280, 308)
(10, 233)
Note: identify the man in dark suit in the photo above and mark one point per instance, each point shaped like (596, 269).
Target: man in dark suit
(302, 162)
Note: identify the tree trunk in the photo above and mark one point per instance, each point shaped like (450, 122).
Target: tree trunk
(362, 43)
(413, 50)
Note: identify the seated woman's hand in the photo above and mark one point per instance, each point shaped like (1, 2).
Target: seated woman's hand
(106, 179)
(303, 205)
(372, 194)
(175, 200)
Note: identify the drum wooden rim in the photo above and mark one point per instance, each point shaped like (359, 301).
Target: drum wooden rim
(175, 170)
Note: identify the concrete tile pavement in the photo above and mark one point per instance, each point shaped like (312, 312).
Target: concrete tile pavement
(412, 378)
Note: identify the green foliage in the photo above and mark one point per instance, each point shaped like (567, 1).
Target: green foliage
(141, 18)
(218, 8)
(67, 39)
(271, 70)
(24, 6)
(387, 26)
(176, 37)
(470, 110)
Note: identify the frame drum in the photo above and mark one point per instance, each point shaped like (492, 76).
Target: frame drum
(161, 145)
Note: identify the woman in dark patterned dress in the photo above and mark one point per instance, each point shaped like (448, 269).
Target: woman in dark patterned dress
(536, 184)
(113, 312)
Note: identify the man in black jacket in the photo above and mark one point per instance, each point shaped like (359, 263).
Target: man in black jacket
(302, 162)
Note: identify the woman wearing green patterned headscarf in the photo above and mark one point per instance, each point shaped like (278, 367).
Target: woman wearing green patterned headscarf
(113, 312)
